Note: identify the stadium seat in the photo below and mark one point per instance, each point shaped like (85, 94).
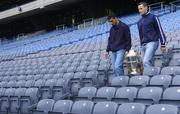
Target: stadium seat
(5, 102)
(14, 100)
(46, 90)
(105, 93)
(90, 79)
(161, 80)
(13, 78)
(81, 68)
(175, 81)
(11, 84)
(171, 96)
(3, 84)
(2, 91)
(151, 71)
(47, 76)
(58, 76)
(162, 109)
(29, 83)
(61, 70)
(105, 108)
(62, 106)
(21, 78)
(31, 97)
(92, 67)
(29, 77)
(120, 81)
(6, 78)
(39, 83)
(20, 83)
(60, 90)
(38, 77)
(104, 67)
(141, 81)
(131, 108)
(76, 82)
(86, 93)
(86, 63)
(171, 70)
(44, 106)
(68, 75)
(149, 95)
(71, 69)
(83, 107)
(125, 94)
(175, 62)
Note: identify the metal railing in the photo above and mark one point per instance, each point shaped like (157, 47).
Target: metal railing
(92, 22)
(155, 5)
(60, 27)
(159, 7)
(175, 5)
(20, 36)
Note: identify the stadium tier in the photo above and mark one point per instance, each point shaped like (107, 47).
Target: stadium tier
(65, 72)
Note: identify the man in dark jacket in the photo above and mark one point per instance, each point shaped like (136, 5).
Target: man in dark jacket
(119, 42)
(150, 32)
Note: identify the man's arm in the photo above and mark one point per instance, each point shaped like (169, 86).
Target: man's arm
(139, 29)
(160, 32)
(107, 50)
(128, 38)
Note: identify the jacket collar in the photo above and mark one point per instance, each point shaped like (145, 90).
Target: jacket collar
(146, 14)
(117, 24)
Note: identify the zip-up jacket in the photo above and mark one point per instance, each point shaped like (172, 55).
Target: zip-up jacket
(119, 38)
(150, 29)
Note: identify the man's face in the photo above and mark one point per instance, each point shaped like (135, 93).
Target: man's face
(113, 21)
(142, 9)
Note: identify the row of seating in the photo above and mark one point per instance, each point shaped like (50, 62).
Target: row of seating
(54, 54)
(55, 70)
(56, 91)
(142, 81)
(169, 70)
(85, 66)
(59, 60)
(69, 81)
(96, 43)
(55, 41)
(50, 76)
(49, 106)
(51, 88)
(145, 95)
(11, 97)
(17, 100)
(77, 36)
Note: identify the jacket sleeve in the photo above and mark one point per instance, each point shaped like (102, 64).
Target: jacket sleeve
(139, 29)
(159, 29)
(128, 38)
(107, 49)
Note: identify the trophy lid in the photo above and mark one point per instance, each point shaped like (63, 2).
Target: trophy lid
(131, 53)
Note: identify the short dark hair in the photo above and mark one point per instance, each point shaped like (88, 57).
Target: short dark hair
(143, 3)
(111, 16)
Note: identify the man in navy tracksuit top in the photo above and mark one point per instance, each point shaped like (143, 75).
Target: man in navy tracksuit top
(150, 32)
(119, 43)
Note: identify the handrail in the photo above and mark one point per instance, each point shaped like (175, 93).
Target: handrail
(159, 3)
(91, 22)
(156, 3)
(60, 27)
(173, 5)
(174, 2)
